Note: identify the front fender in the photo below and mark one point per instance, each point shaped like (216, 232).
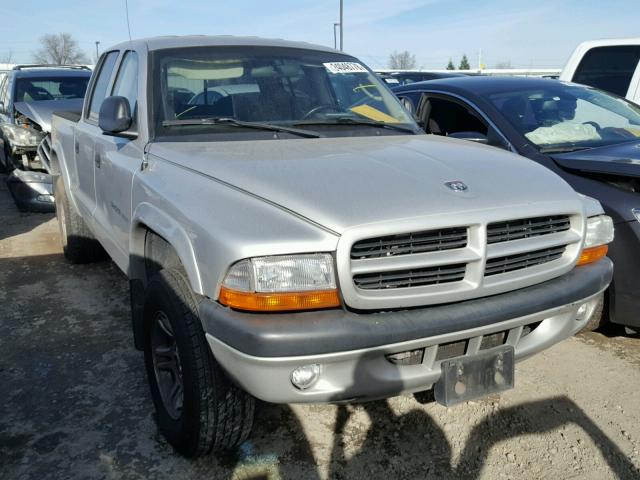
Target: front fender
(149, 217)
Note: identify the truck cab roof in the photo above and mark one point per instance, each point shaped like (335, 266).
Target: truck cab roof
(173, 41)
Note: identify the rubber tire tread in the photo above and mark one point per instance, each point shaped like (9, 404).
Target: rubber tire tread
(222, 413)
(79, 246)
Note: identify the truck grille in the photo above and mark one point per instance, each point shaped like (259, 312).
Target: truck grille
(410, 278)
(510, 263)
(416, 266)
(410, 243)
(526, 228)
(44, 152)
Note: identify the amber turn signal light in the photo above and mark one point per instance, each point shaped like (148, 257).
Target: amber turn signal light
(593, 254)
(274, 302)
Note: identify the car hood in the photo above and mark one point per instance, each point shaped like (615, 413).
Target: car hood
(620, 159)
(42, 111)
(344, 182)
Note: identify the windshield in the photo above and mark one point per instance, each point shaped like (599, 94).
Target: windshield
(564, 117)
(276, 86)
(50, 88)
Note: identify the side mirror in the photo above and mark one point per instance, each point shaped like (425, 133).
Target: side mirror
(408, 104)
(471, 136)
(115, 117)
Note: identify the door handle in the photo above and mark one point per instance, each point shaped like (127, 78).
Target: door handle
(76, 146)
(97, 160)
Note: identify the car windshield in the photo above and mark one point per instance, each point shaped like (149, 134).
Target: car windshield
(320, 91)
(565, 117)
(50, 88)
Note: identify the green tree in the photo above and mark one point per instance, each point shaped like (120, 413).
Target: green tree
(464, 63)
(450, 65)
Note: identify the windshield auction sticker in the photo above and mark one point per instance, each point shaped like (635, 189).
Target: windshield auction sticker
(345, 67)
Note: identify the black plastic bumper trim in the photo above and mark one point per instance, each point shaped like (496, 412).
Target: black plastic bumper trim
(330, 331)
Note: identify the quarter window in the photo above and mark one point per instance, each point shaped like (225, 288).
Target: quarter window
(609, 68)
(102, 82)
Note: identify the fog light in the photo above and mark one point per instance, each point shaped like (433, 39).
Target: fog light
(582, 311)
(305, 376)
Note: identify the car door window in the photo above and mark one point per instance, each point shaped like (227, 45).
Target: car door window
(446, 117)
(102, 83)
(126, 84)
(609, 68)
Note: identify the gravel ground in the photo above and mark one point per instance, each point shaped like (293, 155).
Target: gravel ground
(76, 404)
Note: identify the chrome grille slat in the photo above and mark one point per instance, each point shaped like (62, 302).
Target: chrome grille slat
(410, 278)
(522, 260)
(526, 228)
(410, 243)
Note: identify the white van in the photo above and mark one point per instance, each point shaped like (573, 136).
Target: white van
(611, 65)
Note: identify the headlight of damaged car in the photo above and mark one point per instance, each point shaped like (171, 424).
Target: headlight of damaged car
(281, 283)
(599, 234)
(21, 136)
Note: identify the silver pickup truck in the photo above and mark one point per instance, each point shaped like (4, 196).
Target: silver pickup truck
(289, 235)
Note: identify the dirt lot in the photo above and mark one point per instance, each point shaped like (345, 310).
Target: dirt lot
(75, 400)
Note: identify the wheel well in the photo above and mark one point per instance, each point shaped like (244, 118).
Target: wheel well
(158, 254)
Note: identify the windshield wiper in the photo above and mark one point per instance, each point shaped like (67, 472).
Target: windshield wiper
(562, 149)
(239, 123)
(358, 121)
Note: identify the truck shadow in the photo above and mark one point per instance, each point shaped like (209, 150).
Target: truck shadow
(414, 444)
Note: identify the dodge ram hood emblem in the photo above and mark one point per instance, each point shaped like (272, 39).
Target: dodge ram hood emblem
(457, 186)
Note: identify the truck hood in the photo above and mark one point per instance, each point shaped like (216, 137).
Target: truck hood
(620, 159)
(42, 111)
(344, 182)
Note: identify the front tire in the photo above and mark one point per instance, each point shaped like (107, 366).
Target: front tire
(78, 243)
(198, 408)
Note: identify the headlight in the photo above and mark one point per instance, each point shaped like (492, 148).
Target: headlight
(636, 213)
(22, 136)
(599, 233)
(277, 283)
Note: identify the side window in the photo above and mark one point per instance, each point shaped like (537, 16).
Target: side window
(126, 84)
(446, 117)
(100, 87)
(609, 68)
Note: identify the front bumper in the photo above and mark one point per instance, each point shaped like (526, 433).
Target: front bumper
(31, 191)
(260, 351)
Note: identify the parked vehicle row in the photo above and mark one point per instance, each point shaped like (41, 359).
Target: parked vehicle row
(290, 234)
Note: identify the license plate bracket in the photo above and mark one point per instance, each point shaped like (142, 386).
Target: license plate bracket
(468, 377)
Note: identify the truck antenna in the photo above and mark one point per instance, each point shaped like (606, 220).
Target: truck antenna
(126, 8)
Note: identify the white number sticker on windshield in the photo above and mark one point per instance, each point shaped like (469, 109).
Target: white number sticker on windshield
(345, 67)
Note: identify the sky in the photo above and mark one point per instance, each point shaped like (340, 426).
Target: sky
(528, 34)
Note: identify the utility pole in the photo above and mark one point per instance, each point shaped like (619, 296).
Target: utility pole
(335, 36)
(341, 26)
(97, 52)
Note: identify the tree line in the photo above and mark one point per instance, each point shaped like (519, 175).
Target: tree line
(407, 61)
